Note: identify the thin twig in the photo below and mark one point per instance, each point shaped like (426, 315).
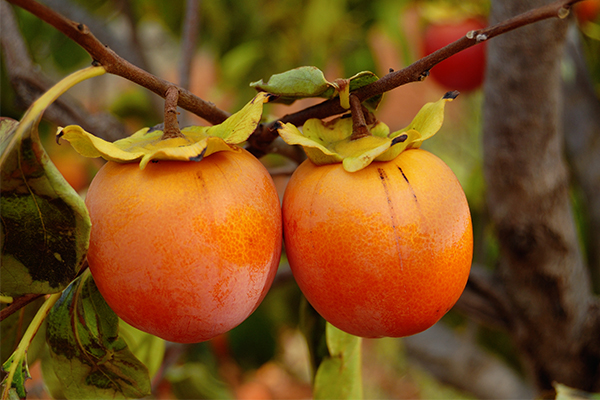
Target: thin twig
(17, 304)
(414, 72)
(266, 133)
(29, 84)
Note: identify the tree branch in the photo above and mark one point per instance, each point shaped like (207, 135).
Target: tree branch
(116, 65)
(527, 190)
(459, 361)
(130, 49)
(485, 300)
(29, 84)
(17, 304)
(265, 134)
(581, 124)
(414, 72)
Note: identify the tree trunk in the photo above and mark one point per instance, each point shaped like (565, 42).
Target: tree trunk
(554, 315)
(582, 138)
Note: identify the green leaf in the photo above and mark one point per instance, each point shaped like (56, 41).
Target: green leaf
(312, 326)
(365, 78)
(87, 356)
(340, 376)
(331, 141)
(298, 83)
(194, 380)
(45, 225)
(307, 81)
(147, 348)
(18, 362)
(147, 144)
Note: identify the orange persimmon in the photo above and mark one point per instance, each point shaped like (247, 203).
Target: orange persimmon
(185, 250)
(381, 252)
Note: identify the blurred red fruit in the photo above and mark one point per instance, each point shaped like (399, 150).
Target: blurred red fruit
(463, 71)
(587, 11)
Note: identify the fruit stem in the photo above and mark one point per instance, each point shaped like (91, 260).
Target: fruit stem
(171, 129)
(359, 125)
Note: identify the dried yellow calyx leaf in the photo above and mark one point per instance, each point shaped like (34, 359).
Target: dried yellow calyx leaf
(330, 142)
(147, 144)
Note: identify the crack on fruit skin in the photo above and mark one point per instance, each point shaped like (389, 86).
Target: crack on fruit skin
(409, 185)
(384, 181)
(384, 178)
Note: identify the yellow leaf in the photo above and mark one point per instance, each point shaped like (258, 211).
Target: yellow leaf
(428, 120)
(147, 144)
(330, 142)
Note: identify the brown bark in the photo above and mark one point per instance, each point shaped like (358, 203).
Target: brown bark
(456, 359)
(554, 315)
(582, 138)
(28, 84)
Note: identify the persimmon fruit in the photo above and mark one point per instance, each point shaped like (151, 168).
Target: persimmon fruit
(587, 11)
(382, 252)
(185, 250)
(463, 71)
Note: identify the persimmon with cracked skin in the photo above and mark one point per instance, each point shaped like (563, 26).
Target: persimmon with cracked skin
(185, 250)
(381, 252)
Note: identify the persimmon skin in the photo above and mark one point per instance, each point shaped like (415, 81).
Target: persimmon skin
(185, 250)
(382, 252)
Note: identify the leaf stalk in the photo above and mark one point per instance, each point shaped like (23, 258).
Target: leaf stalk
(16, 359)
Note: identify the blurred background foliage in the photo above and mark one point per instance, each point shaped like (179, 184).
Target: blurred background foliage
(239, 42)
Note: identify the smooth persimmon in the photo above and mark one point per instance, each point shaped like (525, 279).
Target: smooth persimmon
(185, 250)
(381, 252)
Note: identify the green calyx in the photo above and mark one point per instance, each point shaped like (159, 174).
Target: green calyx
(148, 144)
(331, 142)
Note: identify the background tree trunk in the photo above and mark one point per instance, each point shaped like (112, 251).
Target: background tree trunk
(553, 313)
